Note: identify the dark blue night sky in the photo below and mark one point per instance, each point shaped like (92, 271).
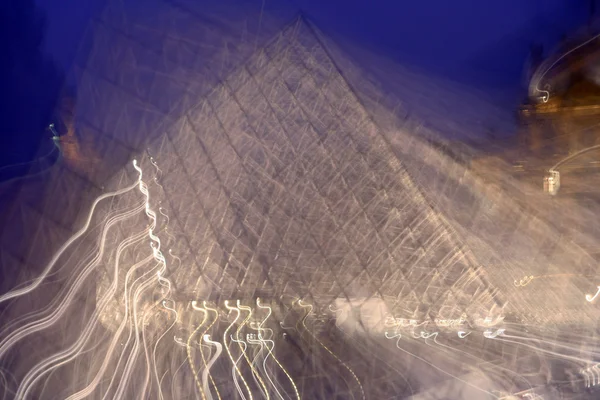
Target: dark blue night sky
(481, 44)
(463, 39)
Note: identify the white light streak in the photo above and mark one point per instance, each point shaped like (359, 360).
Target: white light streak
(189, 347)
(206, 370)
(591, 298)
(36, 283)
(271, 348)
(261, 384)
(235, 370)
(309, 310)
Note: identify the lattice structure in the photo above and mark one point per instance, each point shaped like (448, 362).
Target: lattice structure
(516, 232)
(274, 181)
(282, 184)
(278, 184)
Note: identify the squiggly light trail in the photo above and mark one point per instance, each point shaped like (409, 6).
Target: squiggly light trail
(36, 283)
(362, 392)
(144, 352)
(208, 366)
(270, 345)
(139, 279)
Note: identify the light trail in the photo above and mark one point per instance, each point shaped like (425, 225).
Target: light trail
(235, 369)
(140, 278)
(47, 321)
(310, 308)
(208, 366)
(154, 363)
(479, 360)
(189, 347)
(219, 349)
(444, 371)
(243, 346)
(591, 298)
(36, 283)
(113, 344)
(75, 349)
(543, 70)
(89, 260)
(251, 339)
(122, 360)
(155, 244)
(147, 279)
(126, 375)
(260, 383)
(270, 349)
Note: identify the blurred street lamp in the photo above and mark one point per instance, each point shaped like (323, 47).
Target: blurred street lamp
(552, 180)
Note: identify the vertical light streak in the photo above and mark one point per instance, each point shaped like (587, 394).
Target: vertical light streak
(586, 378)
(129, 315)
(219, 348)
(164, 303)
(591, 382)
(174, 393)
(310, 308)
(255, 373)
(126, 375)
(206, 370)
(159, 173)
(155, 240)
(146, 352)
(74, 350)
(166, 226)
(250, 337)
(260, 337)
(189, 347)
(36, 283)
(111, 348)
(176, 258)
(235, 367)
(596, 373)
(243, 346)
(155, 244)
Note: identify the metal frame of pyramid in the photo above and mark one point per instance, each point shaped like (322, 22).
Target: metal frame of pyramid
(294, 191)
(276, 181)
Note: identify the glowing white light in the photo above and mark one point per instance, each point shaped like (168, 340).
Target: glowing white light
(491, 334)
(591, 298)
(206, 371)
